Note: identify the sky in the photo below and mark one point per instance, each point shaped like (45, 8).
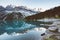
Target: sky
(44, 4)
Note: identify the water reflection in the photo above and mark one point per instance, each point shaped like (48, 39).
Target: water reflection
(32, 35)
(14, 26)
(20, 30)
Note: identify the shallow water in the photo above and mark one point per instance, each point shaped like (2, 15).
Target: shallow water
(18, 30)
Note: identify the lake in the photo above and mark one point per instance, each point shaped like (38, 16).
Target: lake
(20, 30)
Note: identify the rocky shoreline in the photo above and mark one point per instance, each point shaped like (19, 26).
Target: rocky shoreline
(53, 32)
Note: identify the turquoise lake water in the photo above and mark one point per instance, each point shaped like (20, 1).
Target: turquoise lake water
(10, 28)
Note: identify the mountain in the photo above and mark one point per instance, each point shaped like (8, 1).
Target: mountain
(2, 14)
(51, 13)
(11, 9)
(13, 16)
(2, 9)
(22, 9)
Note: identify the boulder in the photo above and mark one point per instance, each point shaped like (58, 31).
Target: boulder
(59, 30)
(53, 29)
(43, 34)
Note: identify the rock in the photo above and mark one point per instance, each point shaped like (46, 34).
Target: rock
(53, 29)
(59, 30)
(58, 37)
(43, 34)
(57, 24)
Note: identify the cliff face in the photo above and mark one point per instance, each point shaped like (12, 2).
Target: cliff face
(2, 15)
(11, 16)
(55, 12)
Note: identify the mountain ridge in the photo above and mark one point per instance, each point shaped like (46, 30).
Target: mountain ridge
(52, 13)
(21, 9)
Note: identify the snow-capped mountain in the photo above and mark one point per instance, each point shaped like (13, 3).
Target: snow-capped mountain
(25, 11)
(10, 12)
(9, 8)
(2, 9)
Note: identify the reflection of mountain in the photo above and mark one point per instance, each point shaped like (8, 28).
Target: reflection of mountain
(55, 13)
(19, 26)
(14, 26)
